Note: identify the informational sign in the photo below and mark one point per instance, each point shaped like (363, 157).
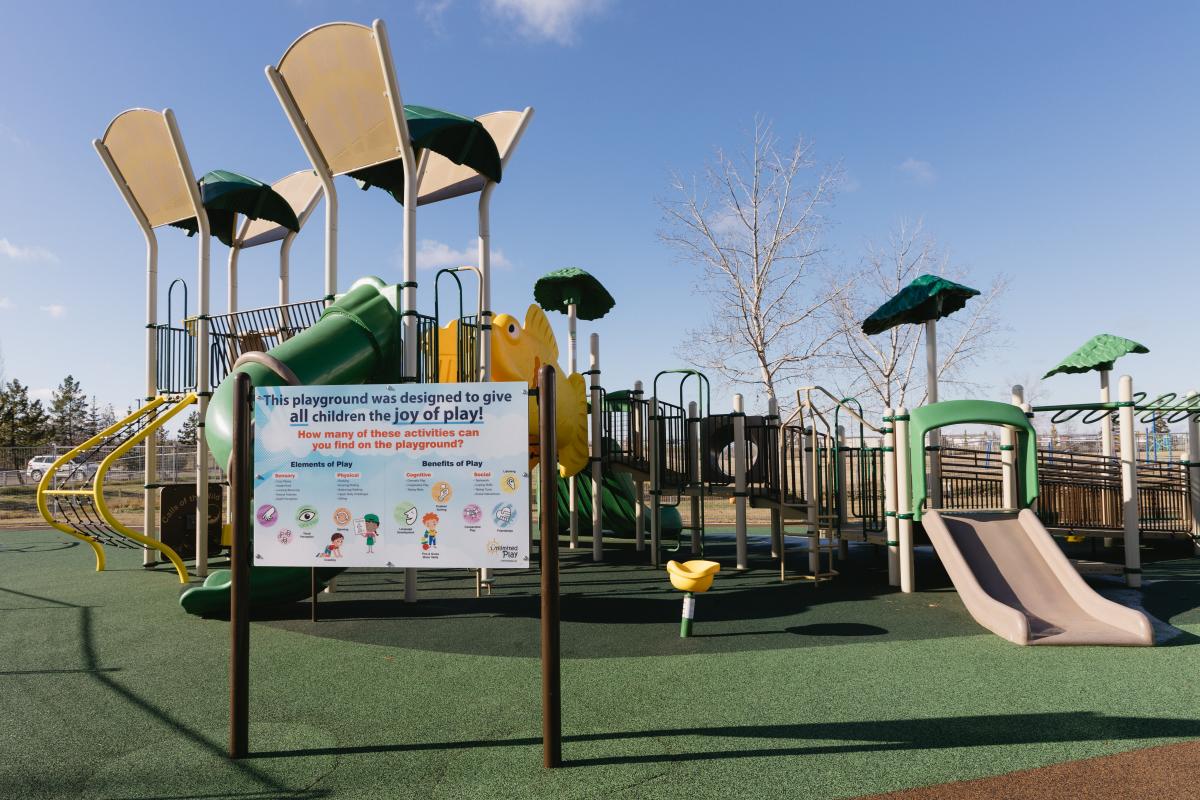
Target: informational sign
(417, 475)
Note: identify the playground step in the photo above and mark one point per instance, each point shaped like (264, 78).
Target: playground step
(639, 473)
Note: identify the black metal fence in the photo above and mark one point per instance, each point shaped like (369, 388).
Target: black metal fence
(1164, 497)
(427, 367)
(468, 349)
(762, 457)
(793, 489)
(256, 330)
(1079, 491)
(626, 430)
(1076, 491)
(971, 479)
(175, 371)
(676, 461)
(861, 495)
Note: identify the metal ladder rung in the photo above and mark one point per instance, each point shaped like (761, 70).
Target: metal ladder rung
(61, 492)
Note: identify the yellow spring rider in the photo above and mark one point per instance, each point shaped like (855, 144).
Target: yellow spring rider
(691, 578)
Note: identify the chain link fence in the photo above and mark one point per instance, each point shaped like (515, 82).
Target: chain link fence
(124, 481)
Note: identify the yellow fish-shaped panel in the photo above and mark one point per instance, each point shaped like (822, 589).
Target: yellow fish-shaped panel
(518, 352)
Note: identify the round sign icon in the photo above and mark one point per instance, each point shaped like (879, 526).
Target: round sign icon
(341, 517)
(472, 514)
(267, 515)
(504, 514)
(307, 516)
(509, 482)
(284, 536)
(442, 492)
(405, 513)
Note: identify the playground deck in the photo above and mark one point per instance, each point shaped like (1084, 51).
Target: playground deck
(842, 690)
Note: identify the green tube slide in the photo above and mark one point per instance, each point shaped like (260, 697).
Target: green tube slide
(356, 340)
(620, 506)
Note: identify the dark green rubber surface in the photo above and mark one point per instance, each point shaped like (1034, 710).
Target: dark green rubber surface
(109, 690)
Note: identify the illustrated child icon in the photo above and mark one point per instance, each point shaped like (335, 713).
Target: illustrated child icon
(371, 521)
(334, 548)
(429, 539)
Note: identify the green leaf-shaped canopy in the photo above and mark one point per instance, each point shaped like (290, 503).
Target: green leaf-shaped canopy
(928, 297)
(226, 194)
(461, 139)
(556, 290)
(1097, 353)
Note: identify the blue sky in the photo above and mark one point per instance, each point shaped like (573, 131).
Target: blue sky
(1053, 143)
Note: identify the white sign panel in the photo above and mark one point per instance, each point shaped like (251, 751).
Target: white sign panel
(416, 475)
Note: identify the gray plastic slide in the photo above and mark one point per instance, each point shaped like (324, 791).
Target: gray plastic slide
(1016, 582)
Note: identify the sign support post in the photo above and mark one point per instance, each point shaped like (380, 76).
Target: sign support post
(241, 474)
(551, 671)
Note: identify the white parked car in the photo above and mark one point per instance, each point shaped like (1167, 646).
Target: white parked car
(38, 465)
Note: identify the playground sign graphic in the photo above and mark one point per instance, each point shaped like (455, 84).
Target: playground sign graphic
(432, 475)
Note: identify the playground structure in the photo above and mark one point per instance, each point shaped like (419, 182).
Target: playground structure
(420, 155)
(337, 86)
(810, 456)
(998, 552)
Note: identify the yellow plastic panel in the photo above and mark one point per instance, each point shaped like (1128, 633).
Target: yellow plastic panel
(301, 190)
(141, 146)
(334, 75)
(444, 179)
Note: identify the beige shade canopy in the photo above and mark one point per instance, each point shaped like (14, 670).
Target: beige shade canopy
(140, 144)
(335, 76)
(302, 191)
(443, 179)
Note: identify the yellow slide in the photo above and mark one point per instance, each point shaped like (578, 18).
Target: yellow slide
(70, 495)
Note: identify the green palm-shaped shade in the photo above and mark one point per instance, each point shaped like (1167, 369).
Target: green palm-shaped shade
(1097, 354)
(556, 290)
(461, 139)
(226, 194)
(928, 297)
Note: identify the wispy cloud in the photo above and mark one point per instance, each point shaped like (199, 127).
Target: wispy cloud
(45, 394)
(55, 310)
(433, 12)
(7, 134)
(726, 223)
(917, 170)
(432, 254)
(16, 252)
(547, 20)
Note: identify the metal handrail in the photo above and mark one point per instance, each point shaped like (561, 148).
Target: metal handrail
(469, 345)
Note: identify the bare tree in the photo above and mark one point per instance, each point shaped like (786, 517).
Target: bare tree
(889, 368)
(753, 223)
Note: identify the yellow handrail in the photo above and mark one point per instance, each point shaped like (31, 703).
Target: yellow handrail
(98, 488)
(48, 477)
(97, 491)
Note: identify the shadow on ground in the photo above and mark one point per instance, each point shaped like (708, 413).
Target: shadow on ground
(624, 607)
(825, 738)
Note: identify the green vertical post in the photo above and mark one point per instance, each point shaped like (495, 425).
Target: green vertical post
(689, 611)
